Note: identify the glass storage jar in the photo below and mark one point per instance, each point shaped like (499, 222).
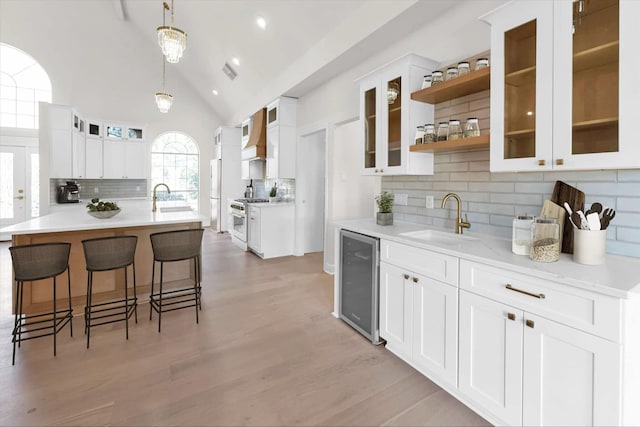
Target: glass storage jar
(471, 128)
(419, 135)
(482, 63)
(545, 240)
(436, 78)
(429, 133)
(521, 235)
(455, 131)
(426, 81)
(452, 73)
(443, 131)
(463, 68)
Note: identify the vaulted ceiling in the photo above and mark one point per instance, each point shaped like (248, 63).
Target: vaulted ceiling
(305, 43)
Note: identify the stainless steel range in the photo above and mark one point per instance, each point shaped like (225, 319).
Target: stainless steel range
(238, 220)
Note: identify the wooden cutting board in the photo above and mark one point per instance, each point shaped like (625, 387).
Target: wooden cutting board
(563, 192)
(552, 210)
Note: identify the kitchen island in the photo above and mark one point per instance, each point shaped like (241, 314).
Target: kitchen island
(72, 224)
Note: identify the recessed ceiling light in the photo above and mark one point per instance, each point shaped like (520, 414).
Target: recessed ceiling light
(215, 92)
(261, 22)
(236, 61)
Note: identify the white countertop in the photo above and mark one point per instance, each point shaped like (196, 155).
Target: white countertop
(134, 213)
(619, 276)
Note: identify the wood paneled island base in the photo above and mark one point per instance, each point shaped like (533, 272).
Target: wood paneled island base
(107, 285)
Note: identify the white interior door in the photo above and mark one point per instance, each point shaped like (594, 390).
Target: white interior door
(13, 189)
(311, 182)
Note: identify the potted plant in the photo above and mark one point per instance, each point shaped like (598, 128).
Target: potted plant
(273, 194)
(385, 206)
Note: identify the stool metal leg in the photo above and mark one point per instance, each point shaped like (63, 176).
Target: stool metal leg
(160, 298)
(153, 273)
(195, 286)
(126, 303)
(70, 309)
(88, 308)
(18, 309)
(55, 319)
(20, 314)
(135, 295)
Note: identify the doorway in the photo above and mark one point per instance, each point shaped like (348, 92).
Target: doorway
(19, 183)
(311, 192)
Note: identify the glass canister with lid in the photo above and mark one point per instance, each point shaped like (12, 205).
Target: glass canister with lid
(482, 63)
(452, 73)
(429, 134)
(436, 78)
(426, 81)
(545, 240)
(455, 131)
(419, 135)
(471, 128)
(443, 131)
(463, 68)
(521, 235)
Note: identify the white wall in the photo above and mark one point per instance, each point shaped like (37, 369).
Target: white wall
(115, 79)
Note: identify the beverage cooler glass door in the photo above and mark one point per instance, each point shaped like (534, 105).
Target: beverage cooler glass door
(359, 283)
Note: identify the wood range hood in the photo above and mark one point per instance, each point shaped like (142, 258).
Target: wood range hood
(256, 146)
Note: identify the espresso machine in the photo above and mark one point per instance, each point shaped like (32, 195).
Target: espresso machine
(69, 193)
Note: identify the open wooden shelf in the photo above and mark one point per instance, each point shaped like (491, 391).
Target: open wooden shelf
(475, 81)
(475, 143)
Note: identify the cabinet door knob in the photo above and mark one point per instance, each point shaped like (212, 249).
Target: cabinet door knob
(511, 316)
(406, 276)
(376, 171)
(530, 323)
(381, 170)
(415, 280)
(559, 162)
(541, 162)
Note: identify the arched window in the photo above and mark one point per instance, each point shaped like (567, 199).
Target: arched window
(175, 162)
(23, 83)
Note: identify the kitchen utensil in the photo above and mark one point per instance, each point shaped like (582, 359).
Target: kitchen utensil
(607, 216)
(594, 221)
(552, 210)
(583, 221)
(563, 192)
(568, 208)
(595, 207)
(576, 221)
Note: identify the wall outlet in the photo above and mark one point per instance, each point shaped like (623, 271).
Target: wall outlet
(95, 190)
(429, 202)
(401, 199)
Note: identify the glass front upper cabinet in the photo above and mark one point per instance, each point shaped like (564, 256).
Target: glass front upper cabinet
(394, 122)
(520, 91)
(596, 41)
(370, 121)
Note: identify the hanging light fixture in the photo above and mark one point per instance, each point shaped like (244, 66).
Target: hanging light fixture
(173, 41)
(163, 99)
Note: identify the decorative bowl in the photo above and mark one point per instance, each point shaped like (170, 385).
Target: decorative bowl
(104, 214)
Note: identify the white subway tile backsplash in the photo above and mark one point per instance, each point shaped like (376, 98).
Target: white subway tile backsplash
(491, 200)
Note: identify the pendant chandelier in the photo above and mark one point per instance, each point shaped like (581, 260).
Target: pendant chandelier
(173, 41)
(163, 99)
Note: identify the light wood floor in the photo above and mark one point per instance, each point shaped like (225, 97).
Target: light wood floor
(266, 352)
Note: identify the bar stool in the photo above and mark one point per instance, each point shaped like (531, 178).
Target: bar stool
(170, 246)
(36, 262)
(105, 254)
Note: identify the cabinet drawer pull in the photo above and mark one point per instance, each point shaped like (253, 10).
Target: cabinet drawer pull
(511, 288)
(406, 276)
(415, 280)
(511, 316)
(376, 171)
(541, 162)
(530, 323)
(381, 170)
(559, 162)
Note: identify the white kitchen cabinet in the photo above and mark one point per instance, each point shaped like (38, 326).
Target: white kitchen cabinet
(418, 314)
(93, 158)
(271, 229)
(62, 131)
(281, 152)
(124, 159)
(564, 85)
(523, 364)
(282, 112)
(245, 132)
(389, 123)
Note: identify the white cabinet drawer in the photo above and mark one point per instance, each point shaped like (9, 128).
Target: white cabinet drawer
(431, 264)
(594, 313)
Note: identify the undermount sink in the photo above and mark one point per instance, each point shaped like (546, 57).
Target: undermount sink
(436, 236)
(175, 209)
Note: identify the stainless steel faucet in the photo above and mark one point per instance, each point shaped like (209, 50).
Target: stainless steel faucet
(155, 197)
(460, 224)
